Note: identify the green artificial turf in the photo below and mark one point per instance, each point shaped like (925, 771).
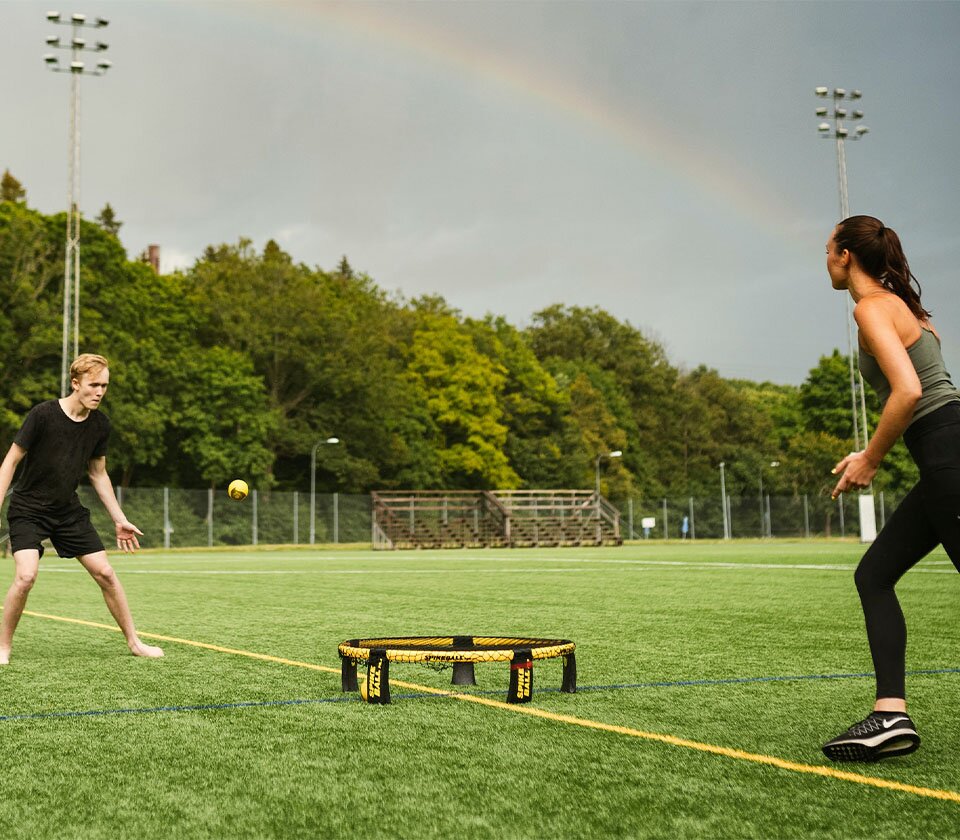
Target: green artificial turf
(663, 632)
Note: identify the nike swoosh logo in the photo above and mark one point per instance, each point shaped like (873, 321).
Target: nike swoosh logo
(888, 723)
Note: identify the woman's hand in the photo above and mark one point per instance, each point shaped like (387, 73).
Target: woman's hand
(856, 472)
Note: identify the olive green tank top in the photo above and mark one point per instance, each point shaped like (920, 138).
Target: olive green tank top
(936, 387)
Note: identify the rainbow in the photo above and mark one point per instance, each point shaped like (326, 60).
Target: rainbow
(725, 183)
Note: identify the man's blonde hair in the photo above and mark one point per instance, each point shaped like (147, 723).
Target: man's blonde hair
(87, 363)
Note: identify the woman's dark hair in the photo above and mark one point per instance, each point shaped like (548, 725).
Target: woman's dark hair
(880, 254)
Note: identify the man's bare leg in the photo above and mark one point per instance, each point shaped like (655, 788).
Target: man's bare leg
(102, 572)
(27, 562)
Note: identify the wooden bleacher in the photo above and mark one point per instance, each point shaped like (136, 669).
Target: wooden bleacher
(490, 519)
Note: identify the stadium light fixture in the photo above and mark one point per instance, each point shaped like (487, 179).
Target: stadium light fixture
(840, 133)
(313, 484)
(77, 44)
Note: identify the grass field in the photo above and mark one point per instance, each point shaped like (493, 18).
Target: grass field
(709, 676)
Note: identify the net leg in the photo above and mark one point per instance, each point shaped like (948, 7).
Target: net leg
(376, 687)
(569, 684)
(348, 674)
(463, 671)
(521, 677)
(463, 674)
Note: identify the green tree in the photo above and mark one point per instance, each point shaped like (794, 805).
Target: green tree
(31, 280)
(826, 408)
(11, 189)
(716, 421)
(534, 409)
(463, 391)
(269, 311)
(631, 372)
(808, 461)
(223, 421)
(595, 429)
(143, 324)
(331, 350)
(109, 221)
(779, 403)
(825, 399)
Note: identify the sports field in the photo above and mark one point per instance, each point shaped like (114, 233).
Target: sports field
(709, 675)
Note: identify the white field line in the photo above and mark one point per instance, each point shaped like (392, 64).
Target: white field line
(631, 565)
(125, 572)
(271, 557)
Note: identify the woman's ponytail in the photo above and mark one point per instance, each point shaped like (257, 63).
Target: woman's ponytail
(880, 254)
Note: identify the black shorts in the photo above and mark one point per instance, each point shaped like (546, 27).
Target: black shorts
(71, 533)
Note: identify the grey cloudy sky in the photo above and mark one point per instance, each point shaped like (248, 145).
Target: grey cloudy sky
(657, 159)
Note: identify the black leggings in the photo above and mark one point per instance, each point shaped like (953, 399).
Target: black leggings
(928, 516)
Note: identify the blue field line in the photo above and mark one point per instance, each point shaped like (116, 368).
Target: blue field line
(354, 698)
(724, 681)
(206, 707)
(742, 680)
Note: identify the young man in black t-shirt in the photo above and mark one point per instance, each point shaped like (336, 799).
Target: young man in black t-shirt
(61, 440)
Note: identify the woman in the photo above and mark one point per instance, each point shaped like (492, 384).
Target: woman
(900, 357)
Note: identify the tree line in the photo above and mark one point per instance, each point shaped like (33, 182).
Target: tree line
(239, 365)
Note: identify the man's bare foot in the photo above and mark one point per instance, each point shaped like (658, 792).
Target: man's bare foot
(4, 657)
(138, 648)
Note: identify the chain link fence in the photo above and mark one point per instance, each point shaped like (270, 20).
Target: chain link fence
(746, 516)
(175, 518)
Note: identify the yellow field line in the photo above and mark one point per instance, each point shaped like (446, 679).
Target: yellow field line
(264, 656)
(533, 711)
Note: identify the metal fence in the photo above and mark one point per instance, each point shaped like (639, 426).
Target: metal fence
(766, 517)
(174, 518)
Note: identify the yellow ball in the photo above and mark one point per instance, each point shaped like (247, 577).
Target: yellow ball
(238, 489)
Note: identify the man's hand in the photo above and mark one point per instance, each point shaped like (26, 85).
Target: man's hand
(856, 471)
(127, 536)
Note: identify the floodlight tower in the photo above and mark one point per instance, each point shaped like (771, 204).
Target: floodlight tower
(839, 132)
(77, 44)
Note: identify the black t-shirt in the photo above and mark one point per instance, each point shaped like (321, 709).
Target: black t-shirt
(58, 455)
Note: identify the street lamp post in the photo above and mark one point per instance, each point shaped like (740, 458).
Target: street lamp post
(765, 530)
(71, 271)
(313, 485)
(723, 501)
(839, 132)
(615, 454)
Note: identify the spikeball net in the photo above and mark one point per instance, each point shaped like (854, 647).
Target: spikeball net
(460, 652)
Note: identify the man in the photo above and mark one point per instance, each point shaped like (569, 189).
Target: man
(62, 439)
